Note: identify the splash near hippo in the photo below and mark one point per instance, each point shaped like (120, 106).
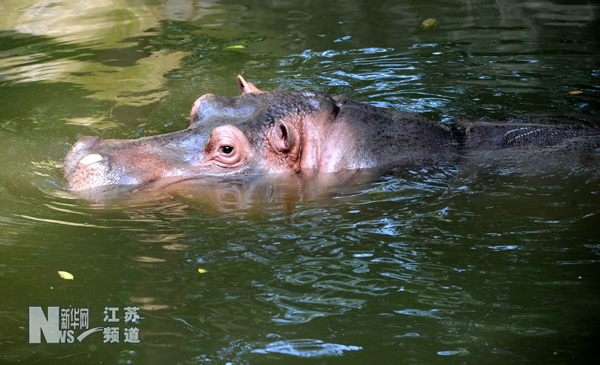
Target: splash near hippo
(302, 132)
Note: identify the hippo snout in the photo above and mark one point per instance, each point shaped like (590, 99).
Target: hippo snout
(86, 169)
(81, 153)
(98, 163)
(79, 150)
(94, 163)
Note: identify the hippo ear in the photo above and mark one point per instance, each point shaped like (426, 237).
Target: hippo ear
(246, 87)
(284, 137)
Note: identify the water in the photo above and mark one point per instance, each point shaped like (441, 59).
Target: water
(489, 261)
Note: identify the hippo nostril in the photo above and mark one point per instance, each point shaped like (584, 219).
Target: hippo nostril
(91, 159)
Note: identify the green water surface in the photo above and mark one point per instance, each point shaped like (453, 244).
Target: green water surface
(491, 261)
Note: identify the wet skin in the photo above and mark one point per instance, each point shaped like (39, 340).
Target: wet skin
(296, 132)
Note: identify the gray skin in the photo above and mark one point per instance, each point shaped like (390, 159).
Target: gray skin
(293, 132)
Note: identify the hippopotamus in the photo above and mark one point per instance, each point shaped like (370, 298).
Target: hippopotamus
(287, 133)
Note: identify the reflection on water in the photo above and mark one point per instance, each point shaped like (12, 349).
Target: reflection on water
(102, 23)
(490, 260)
(86, 50)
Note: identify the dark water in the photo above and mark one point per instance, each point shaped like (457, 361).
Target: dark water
(491, 261)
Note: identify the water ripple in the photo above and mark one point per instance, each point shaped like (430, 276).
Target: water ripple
(305, 348)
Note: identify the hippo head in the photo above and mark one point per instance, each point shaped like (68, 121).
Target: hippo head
(255, 133)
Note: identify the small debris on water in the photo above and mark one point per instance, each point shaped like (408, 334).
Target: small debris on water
(429, 23)
(66, 275)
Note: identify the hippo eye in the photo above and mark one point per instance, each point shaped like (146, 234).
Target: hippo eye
(226, 149)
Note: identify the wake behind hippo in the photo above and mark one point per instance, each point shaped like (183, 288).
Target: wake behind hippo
(297, 132)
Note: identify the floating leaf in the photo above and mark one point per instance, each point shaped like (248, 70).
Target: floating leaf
(237, 46)
(66, 275)
(429, 23)
(202, 271)
(575, 92)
